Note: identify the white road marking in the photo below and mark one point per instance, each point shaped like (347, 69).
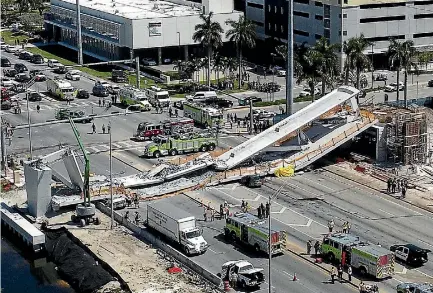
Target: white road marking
(403, 272)
(422, 273)
(392, 215)
(280, 211)
(315, 182)
(425, 242)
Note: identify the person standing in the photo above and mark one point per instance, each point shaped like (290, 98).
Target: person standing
(221, 211)
(259, 212)
(309, 246)
(340, 272)
(38, 108)
(333, 274)
(349, 273)
(331, 225)
(93, 128)
(212, 215)
(345, 227)
(109, 128)
(389, 182)
(137, 218)
(316, 248)
(103, 128)
(349, 226)
(268, 209)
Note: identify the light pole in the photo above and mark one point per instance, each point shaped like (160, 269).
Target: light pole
(111, 179)
(79, 39)
(372, 65)
(270, 235)
(251, 115)
(30, 127)
(273, 76)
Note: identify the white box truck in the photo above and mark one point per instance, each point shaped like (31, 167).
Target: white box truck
(177, 225)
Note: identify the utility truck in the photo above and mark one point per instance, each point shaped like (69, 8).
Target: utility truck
(249, 230)
(61, 89)
(157, 96)
(176, 225)
(201, 114)
(163, 145)
(369, 259)
(147, 130)
(134, 98)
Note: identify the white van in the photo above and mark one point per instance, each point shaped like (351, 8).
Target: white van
(201, 96)
(118, 203)
(53, 63)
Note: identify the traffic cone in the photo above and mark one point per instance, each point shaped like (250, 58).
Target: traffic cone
(294, 277)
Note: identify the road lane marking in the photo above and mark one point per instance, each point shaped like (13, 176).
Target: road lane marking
(392, 215)
(427, 275)
(425, 242)
(315, 182)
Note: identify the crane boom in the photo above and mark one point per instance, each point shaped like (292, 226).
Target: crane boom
(86, 187)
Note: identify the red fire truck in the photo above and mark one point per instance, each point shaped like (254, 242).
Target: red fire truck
(147, 130)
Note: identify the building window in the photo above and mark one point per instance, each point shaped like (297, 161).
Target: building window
(381, 19)
(425, 15)
(327, 11)
(318, 4)
(302, 1)
(344, 15)
(269, 26)
(386, 38)
(344, 33)
(301, 33)
(269, 7)
(282, 10)
(301, 14)
(423, 2)
(276, 27)
(258, 23)
(384, 5)
(327, 23)
(327, 33)
(318, 17)
(346, 2)
(255, 5)
(423, 35)
(282, 28)
(275, 9)
(318, 37)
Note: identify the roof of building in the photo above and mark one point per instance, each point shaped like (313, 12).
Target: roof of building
(140, 9)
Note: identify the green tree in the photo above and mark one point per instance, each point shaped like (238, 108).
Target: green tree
(307, 66)
(328, 60)
(208, 33)
(23, 5)
(243, 34)
(402, 55)
(38, 5)
(424, 58)
(355, 58)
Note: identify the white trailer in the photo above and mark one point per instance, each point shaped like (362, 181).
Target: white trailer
(177, 225)
(157, 96)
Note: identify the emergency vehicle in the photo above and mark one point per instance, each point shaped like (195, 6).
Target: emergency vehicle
(164, 145)
(201, 114)
(157, 96)
(147, 130)
(130, 96)
(369, 259)
(248, 229)
(61, 89)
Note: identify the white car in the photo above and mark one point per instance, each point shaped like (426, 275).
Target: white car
(3, 45)
(73, 75)
(18, 52)
(306, 92)
(53, 63)
(392, 87)
(11, 49)
(263, 113)
(281, 73)
(7, 82)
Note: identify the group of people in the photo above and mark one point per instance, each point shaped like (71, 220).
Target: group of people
(224, 210)
(397, 185)
(103, 103)
(346, 226)
(263, 211)
(316, 247)
(339, 272)
(103, 128)
(209, 213)
(137, 217)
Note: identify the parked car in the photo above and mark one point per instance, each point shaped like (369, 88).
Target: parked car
(100, 91)
(415, 288)
(148, 62)
(63, 114)
(245, 101)
(25, 55)
(11, 72)
(392, 87)
(6, 104)
(251, 181)
(11, 49)
(6, 82)
(218, 102)
(166, 61)
(22, 77)
(410, 254)
(263, 113)
(430, 83)
(38, 75)
(82, 94)
(53, 63)
(381, 77)
(61, 69)
(113, 89)
(18, 52)
(20, 68)
(306, 92)
(34, 96)
(73, 75)
(37, 59)
(5, 62)
(3, 45)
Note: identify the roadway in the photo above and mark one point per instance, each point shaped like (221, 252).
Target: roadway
(305, 203)
(310, 278)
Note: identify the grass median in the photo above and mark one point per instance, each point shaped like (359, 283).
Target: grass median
(283, 101)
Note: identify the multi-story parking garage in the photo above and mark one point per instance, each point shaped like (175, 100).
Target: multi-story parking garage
(112, 29)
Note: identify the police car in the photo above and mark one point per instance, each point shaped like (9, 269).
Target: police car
(410, 254)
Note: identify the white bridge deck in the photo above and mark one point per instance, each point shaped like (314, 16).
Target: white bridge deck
(292, 123)
(30, 234)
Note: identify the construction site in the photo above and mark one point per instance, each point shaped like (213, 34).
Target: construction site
(367, 144)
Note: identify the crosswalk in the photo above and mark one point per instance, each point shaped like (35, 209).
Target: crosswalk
(52, 106)
(117, 146)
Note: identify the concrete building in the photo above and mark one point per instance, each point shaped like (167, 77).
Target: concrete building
(112, 28)
(339, 20)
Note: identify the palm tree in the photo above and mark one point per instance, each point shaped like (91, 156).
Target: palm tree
(401, 55)
(307, 66)
(208, 33)
(329, 61)
(242, 33)
(355, 58)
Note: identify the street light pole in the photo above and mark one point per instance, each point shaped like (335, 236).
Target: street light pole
(251, 116)
(111, 180)
(372, 65)
(30, 127)
(79, 39)
(269, 245)
(289, 75)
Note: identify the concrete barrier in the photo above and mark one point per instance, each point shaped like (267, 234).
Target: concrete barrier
(150, 238)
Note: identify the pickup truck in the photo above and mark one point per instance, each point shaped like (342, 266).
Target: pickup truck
(218, 102)
(247, 276)
(63, 114)
(176, 225)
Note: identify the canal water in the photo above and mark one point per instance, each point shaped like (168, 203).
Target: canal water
(22, 273)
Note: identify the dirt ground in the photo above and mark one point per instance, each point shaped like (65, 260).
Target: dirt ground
(137, 263)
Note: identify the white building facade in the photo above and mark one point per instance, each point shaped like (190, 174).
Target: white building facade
(112, 29)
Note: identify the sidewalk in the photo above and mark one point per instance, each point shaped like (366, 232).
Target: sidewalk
(421, 199)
